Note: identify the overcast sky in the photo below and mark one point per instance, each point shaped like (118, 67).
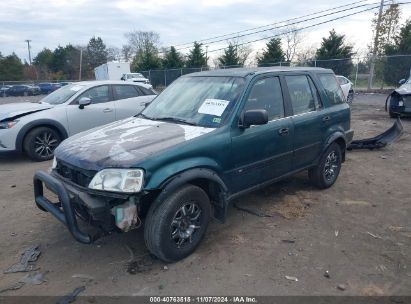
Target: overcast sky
(49, 23)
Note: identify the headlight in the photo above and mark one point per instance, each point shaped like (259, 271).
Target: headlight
(118, 180)
(8, 124)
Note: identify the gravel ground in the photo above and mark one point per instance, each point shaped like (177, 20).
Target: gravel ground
(358, 230)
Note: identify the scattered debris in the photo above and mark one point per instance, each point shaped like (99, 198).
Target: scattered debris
(13, 234)
(341, 287)
(165, 267)
(288, 241)
(71, 297)
(15, 286)
(291, 278)
(374, 235)
(13, 186)
(336, 232)
(83, 276)
(396, 228)
(383, 157)
(35, 278)
(141, 265)
(30, 255)
(355, 202)
(327, 274)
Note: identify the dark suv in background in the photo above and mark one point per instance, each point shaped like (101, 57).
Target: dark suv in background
(23, 90)
(206, 139)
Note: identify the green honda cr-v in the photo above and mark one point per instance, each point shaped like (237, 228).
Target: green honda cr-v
(208, 138)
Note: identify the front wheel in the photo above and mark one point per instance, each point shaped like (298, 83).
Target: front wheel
(350, 97)
(40, 143)
(325, 174)
(176, 227)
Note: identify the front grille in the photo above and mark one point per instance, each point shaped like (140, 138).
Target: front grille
(77, 175)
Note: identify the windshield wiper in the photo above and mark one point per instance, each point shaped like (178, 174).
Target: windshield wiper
(178, 120)
(144, 116)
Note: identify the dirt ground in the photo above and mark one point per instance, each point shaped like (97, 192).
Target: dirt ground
(359, 231)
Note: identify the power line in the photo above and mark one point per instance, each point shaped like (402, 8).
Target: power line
(235, 34)
(309, 26)
(271, 24)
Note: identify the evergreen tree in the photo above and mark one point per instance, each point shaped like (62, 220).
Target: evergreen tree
(11, 68)
(397, 68)
(273, 54)
(196, 57)
(173, 59)
(230, 56)
(334, 47)
(97, 52)
(43, 62)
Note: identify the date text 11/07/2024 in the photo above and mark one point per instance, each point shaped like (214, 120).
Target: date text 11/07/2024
(203, 299)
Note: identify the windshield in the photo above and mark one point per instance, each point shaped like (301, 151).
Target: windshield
(62, 95)
(203, 101)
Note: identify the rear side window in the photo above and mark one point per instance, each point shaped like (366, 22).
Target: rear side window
(332, 88)
(124, 91)
(301, 95)
(266, 95)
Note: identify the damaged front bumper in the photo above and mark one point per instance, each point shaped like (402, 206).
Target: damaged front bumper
(379, 141)
(74, 202)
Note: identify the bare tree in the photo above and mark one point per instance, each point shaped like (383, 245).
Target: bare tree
(292, 38)
(126, 52)
(113, 53)
(306, 55)
(242, 50)
(140, 41)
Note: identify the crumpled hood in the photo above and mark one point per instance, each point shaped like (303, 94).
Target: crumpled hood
(11, 110)
(123, 143)
(404, 89)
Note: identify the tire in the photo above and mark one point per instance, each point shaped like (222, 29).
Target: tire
(38, 138)
(350, 97)
(170, 234)
(325, 174)
(392, 114)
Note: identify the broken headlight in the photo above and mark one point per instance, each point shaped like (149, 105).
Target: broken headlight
(8, 124)
(118, 180)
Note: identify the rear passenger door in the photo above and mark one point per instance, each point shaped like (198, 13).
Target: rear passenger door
(129, 100)
(263, 152)
(309, 123)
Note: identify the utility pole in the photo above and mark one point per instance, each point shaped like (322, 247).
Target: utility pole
(375, 48)
(28, 47)
(206, 55)
(81, 60)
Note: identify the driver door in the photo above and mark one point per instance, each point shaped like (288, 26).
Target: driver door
(264, 152)
(99, 112)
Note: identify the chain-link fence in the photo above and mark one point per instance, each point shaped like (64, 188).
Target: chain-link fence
(389, 70)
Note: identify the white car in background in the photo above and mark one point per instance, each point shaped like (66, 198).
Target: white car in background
(135, 77)
(38, 128)
(347, 87)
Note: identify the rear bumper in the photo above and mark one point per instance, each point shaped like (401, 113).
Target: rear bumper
(63, 210)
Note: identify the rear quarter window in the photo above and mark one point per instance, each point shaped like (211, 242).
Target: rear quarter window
(332, 88)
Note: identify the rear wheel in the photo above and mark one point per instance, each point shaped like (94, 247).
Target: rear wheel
(40, 143)
(325, 174)
(175, 228)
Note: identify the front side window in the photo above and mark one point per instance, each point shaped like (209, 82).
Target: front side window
(204, 100)
(124, 91)
(332, 88)
(266, 95)
(302, 98)
(97, 94)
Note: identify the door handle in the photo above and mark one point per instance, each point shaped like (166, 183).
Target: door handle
(326, 118)
(283, 131)
(107, 110)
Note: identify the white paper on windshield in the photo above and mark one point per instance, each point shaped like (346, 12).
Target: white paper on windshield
(76, 88)
(213, 107)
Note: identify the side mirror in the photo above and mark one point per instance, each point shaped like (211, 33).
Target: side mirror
(253, 117)
(123, 78)
(84, 101)
(401, 82)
